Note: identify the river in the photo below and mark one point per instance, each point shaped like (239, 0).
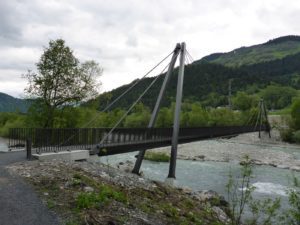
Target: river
(269, 181)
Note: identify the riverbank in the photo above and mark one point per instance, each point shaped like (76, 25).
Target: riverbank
(3, 144)
(93, 193)
(262, 151)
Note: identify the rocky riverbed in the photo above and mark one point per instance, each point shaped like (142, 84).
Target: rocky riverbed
(262, 151)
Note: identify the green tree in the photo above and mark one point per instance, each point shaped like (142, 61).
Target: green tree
(165, 117)
(61, 80)
(139, 117)
(278, 97)
(295, 113)
(243, 101)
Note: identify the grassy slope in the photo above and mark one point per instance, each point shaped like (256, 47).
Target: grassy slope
(272, 50)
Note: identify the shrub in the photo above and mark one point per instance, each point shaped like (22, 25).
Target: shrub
(296, 136)
(239, 192)
(295, 113)
(86, 200)
(286, 135)
(157, 156)
(292, 214)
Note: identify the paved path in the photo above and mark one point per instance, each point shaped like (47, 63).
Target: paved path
(19, 204)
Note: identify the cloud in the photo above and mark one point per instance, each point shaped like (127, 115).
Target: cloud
(128, 37)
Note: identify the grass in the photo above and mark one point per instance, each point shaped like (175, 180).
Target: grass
(105, 195)
(285, 111)
(157, 156)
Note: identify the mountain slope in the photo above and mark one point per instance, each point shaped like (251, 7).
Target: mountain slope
(277, 48)
(11, 104)
(207, 82)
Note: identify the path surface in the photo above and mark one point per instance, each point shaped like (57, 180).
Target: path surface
(19, 204)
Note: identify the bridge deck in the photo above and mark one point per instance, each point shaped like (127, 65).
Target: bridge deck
(121, 140)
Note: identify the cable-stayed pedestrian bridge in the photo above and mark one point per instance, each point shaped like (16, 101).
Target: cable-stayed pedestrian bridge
(115, 140)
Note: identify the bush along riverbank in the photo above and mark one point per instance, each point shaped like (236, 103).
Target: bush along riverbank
(93, 193)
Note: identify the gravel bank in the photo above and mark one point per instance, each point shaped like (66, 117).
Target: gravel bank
(261, 151)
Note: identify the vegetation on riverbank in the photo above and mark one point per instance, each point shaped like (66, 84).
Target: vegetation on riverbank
(292, 132)
(193, 115)
(100, 196)
(157, 156)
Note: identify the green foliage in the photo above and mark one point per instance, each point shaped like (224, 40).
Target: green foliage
(194, 115)
(278, 97)
(165, 118)
(286, 135)
(105, 195)
(139, 117)
(264, 211)
(274, 49)
(239, 192)
(214, 100)
(157, 156)
(10, 120)
(295, 113)
(292, 215)
(243, 101)
(292, 133)
(239, 201)
(296, 136)
(60, 81)
(225, 117)
(86, 200)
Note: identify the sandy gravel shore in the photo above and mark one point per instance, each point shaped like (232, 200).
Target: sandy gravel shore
(264, 151)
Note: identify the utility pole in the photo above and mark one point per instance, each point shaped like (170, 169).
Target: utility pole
(229, 94)
(260, 116)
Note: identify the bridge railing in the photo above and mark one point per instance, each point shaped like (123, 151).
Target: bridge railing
(62, 139)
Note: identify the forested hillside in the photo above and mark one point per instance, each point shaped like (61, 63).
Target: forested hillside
(11, 104)
(208, 82)
(277, 48)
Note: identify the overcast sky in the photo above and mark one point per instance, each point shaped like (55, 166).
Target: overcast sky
(127, 37)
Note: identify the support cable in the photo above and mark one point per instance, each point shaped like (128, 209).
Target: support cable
(131, 107)
(258, 115)
(251, 117)
(187, 60)
(138, 81)
(120, 96)
(189, 55)
(128, 89)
